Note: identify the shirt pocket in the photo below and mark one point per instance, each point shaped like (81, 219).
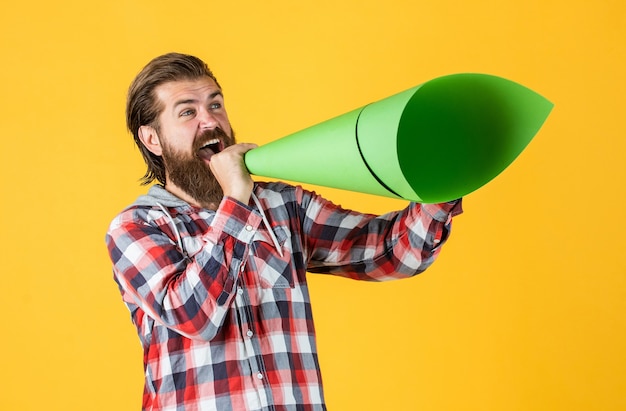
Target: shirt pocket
(273, 270)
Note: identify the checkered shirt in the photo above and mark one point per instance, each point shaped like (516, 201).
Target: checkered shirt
(222, 309)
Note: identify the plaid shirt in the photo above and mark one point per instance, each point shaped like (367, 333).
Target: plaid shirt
(220, 299)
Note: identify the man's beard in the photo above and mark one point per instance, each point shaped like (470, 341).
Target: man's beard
(191, 174)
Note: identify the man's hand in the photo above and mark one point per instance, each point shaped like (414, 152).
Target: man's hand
(231, 173)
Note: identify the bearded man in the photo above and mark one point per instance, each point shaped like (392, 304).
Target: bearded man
(213, 266)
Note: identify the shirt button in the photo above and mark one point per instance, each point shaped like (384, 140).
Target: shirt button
(259, 376)
(239, 291)
(249, 333)
(248, 228)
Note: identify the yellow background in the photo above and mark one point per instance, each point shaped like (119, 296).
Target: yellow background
(524, 310)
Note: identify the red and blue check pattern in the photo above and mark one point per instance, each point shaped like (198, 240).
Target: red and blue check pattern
(224, 319)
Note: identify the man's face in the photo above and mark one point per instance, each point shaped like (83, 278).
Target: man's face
(193, 126)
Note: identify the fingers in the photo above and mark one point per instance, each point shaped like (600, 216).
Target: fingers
(242, 147)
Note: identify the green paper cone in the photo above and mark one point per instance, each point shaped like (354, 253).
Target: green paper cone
(432, 143)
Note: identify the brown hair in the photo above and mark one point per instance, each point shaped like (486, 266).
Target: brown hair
(143, 107)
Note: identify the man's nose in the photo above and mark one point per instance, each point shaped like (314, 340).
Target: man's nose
(207, 119)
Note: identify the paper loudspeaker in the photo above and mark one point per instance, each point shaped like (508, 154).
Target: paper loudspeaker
(432, 143)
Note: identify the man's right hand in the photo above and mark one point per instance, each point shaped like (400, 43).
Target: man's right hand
(231, 173)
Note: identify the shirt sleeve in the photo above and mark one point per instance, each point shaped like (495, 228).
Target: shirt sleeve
(375, 248)
(189, 294)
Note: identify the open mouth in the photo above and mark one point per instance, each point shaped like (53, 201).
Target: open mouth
(210, 148)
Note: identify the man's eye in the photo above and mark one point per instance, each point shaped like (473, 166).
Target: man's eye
(186, 113)
(215, 106)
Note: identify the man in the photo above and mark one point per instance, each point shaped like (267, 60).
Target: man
(212, 265)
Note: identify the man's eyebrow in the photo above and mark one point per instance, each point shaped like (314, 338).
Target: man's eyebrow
(215, 94)
(193, 100)
(187, 101)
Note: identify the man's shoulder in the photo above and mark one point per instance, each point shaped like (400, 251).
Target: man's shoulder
(132, 214)
(147, 206)
(276, 194)
(272, 186)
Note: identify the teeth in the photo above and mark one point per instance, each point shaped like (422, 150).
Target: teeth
(214, 141)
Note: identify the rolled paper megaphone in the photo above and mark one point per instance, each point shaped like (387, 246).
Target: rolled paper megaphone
(435, 142)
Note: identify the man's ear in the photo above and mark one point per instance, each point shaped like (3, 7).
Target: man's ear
(150, 139)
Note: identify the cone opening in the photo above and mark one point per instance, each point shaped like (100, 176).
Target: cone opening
(459, 132)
